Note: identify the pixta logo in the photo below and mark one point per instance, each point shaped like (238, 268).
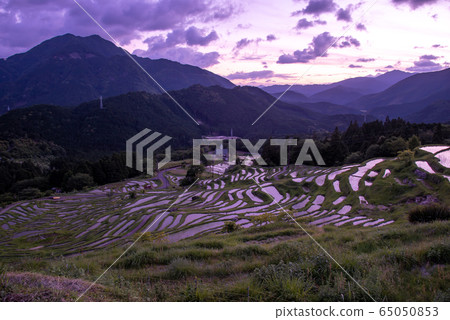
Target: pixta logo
(146, 143)
(308, 147)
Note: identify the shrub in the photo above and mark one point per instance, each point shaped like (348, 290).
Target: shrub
(284, 281)
(29, 193)
(245, 252)
(180, 268)
(79, 181)
(211, 244)
(230, 226)
(439, 253)
(288, 252)
(276, 272)
(428, 214)
(413, 142)
(197, 254)
(137, 260)
(132, 194)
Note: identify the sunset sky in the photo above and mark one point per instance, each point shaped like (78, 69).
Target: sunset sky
(258, 42)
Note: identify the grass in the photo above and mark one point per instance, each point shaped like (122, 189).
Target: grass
(408, 262)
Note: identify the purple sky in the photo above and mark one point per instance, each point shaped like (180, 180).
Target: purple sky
(258, 42)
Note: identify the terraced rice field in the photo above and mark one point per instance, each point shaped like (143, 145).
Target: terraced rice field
(110, 216)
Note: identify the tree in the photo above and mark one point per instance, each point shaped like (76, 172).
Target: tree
(413, 142)
(392, 146)
(337, 150)
(191, 175)
(78, 182)
(407, 157)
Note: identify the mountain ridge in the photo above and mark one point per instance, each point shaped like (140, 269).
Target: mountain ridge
(68, 70)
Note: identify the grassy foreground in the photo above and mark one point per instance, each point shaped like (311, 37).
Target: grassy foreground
(276, 262)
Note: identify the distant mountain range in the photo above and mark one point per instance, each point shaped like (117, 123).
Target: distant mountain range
(355, 86)
(415, 97)
(68, 70)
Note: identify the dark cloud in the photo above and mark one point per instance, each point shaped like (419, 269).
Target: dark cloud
(426, 64)
(345, 14)
(365, 60)
(318, 7)
(191, 36)
(172, 47)
(25, 23)
(245, 42)
(438, 46)
(254, 75)
(361, 27)
(348, 42)
(195, 36)
(354, 66)
(271, 37)
(264, 74)
(414, 4)
(428, 57)
(322, 22)
(242, 43)
(183, 55)
(389, 67)
(304, 24)
(317, 48)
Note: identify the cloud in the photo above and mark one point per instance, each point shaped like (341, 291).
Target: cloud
(348, 42)
(353, 66)
(271, 37)
(191, 36)
(361, 27)
(244, 26)
(246, 42)
(264, 74)
(242, 43)
(186, 56)
(389, 67)
(304, 24)
(345, 14)
(438, 46)
(123, 19)
(365, 60)
(428, 57)
(318, 47)
(254, 75)
(318, 7)
(414, 4)
(195, 36)
(172, 47)
(322, 22)
(426, 64)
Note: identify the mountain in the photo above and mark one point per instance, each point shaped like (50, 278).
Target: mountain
(435, 112)
(291, 96)
(362, 85)
(337, 95)
(68, 70)
(328, 108)
(423, 86)
(91, 131)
